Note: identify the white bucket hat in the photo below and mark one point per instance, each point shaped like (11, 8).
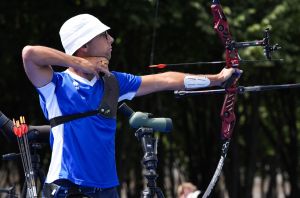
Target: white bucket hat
(79, 30)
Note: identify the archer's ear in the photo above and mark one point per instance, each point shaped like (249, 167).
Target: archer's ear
(82, 50)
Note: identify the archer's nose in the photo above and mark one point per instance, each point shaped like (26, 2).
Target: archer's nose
(110, 39)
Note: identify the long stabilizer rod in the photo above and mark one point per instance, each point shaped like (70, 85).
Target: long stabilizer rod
(240, 89)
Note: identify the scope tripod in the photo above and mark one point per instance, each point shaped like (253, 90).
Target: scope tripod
(149, 145)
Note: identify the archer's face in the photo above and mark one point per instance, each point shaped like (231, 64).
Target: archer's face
(100, 45)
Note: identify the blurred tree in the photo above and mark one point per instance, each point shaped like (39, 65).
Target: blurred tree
(265, 142)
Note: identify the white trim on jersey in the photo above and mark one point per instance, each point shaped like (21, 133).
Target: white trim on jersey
(48, 92)
(56, 157)
(127, 96)
(80, 79)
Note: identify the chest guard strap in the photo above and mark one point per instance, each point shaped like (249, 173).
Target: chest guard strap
(107, 108)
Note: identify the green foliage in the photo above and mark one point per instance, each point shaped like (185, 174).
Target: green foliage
(268, 124)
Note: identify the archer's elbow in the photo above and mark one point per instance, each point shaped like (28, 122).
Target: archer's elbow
(28, 53)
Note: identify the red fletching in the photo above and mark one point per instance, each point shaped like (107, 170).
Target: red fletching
(20, 129)
(24, 128)
(159, 66)
(17, 131)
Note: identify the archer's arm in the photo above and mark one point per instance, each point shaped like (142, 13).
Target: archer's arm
(175, 81)
(37, 61)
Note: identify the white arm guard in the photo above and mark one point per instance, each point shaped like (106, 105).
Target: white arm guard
(194, 82)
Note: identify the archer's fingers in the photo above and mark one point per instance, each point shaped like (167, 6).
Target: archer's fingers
(103, 70)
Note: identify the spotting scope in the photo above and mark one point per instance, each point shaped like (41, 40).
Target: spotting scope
(141, 119)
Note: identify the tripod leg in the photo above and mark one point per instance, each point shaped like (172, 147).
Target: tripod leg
(159, 193)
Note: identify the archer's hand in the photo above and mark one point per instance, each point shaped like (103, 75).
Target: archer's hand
(225, 74)
(95, 65)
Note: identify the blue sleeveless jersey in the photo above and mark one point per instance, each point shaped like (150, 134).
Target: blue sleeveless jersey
(83, 150)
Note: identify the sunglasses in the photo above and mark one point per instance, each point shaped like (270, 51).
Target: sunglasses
(104, 34)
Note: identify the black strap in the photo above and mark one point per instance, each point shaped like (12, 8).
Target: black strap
(109, 104)
(62, 119)
(107, 107)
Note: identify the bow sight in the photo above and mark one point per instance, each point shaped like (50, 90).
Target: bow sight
(265, 43)
(231, 47)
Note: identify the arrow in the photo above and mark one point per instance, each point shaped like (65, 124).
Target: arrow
(164, 65)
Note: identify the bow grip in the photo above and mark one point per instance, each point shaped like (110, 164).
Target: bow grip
(230, 81)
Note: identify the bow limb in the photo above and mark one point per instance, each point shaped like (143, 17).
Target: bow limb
(228, 118)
